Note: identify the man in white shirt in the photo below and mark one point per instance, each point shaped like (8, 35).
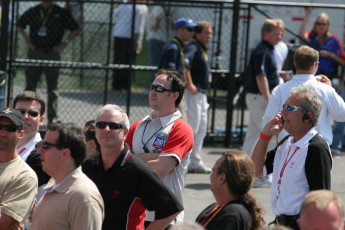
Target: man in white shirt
(333, 106)
(32, 107)
(124, 51)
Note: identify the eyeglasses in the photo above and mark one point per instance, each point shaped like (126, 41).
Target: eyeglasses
(30, 112)
(189, 29)
(112, 125)
(321, 23)
(159, 88)
(46, 145)
(291, 108)
(9, 128)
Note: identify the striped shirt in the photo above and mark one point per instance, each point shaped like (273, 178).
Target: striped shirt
(333, 106)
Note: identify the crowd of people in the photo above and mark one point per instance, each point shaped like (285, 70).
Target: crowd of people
(115, 175)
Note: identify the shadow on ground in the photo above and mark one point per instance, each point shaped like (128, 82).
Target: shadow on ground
(198, 186)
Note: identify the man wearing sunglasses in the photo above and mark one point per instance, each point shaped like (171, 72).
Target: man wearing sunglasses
(18, 182)
(32, 107)
(128, 186)
(301, 162)
(163, 139)
(72, 200)
(333, 106)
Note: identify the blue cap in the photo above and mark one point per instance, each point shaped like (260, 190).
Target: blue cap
(185, 22)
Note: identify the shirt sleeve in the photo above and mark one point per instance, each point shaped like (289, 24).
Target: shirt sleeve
(18, 199)
(169, 58)
(165, 204)
(318, 166)
(180, 139)
(259, 64)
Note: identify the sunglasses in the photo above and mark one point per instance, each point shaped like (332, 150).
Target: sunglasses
(112, 125)
(30, 112)
(159, 88)
(46, 145)
(321, 23)
(9, 128)
(291, 108)
(189, 29)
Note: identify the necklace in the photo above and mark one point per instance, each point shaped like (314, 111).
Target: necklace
(146, 150)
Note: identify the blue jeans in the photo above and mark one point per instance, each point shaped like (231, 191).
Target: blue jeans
(155, 48)
(339, 129)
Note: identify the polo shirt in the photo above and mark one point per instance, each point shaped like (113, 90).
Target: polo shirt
(169, 136)
(75, 203)
(308, 167)
(197, 61)
(18, 188)
(261, 62)
(171, 55)
(333, 106)
(128, 188)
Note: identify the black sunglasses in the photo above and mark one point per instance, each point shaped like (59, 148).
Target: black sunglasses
(9, 128)
(189, 29)
(112, 125)
(31, 113)
(159, 88)
(46, 145)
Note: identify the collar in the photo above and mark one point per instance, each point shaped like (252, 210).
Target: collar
(164, 120)
(26, 149)
(267, 44)
(65, 184)
(200, 44)
(303, 77)
(179, 41)
(305, 139)
(120, 161)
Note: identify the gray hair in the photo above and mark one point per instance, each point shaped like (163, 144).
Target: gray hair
(114, 108)
(310, 103)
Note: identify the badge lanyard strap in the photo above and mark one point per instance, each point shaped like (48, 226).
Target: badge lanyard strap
(44, 18)
(203, 52)
(181, 53)
(142, 141)
(287, 160)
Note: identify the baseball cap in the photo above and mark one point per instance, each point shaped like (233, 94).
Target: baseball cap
(185, 22)
(15, 116)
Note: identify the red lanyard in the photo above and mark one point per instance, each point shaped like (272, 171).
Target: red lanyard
(21, 151)
(287, 160)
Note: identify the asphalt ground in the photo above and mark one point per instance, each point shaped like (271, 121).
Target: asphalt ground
(197, 194)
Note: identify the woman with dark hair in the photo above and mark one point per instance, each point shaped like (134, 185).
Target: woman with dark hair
(235, 208)
(328, 44)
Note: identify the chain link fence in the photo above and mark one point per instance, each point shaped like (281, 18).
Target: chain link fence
(88, 74)
(87, 71)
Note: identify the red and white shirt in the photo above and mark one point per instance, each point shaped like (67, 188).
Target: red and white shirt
(169, 136)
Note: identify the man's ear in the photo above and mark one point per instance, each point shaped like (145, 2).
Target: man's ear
(41, 119)
(66, 153)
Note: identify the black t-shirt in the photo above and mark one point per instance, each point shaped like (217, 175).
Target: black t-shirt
(47, 26)
(234, 216)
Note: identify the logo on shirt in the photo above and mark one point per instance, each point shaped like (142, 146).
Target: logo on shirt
(116, 194)
(160, 140)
